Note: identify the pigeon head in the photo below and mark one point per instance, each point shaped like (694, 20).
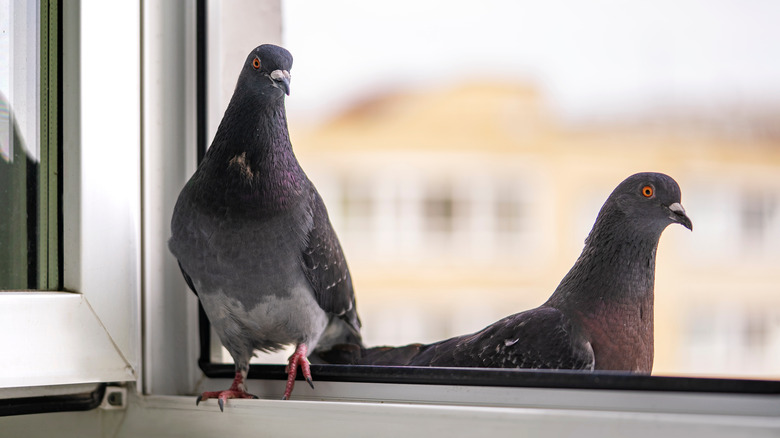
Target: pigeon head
(266, 72)
(649, 202)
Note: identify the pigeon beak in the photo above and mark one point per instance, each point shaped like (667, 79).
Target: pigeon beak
(281, 79)
(678, 215)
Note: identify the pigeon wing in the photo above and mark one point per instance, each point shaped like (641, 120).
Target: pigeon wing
(326, 268)
(539, 338)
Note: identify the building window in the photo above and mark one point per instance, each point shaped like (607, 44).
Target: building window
(397, 214)
(439, 209)
(357, 205)
(509, 212)
(731, 341)
(759, 221)
(734, 223)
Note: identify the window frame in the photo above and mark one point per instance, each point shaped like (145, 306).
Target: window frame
(91, 320)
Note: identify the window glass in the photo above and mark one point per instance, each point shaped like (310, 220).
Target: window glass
(464, 158)
(29, 150)
(19, 146)
(542, 109)
(357, 206)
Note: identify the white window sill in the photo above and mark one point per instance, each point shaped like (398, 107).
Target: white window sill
(392, 419)
(55, 338)
(169, 416)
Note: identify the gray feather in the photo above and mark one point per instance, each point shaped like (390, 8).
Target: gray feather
(252, 235)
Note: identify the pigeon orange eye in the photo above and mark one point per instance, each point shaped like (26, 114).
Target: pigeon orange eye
(256, 63)
(647, 191)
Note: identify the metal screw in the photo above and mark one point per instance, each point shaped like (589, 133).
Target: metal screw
(115, 399)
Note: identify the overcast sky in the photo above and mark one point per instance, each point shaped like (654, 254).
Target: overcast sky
(599, 55)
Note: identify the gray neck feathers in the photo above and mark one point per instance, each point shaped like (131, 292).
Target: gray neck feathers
(253, 156)
(616, 265)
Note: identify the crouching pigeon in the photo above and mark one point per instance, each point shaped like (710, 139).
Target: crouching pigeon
(253, 238)
(600, 316)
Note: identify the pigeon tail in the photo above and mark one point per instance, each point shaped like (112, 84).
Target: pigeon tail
(340, 331)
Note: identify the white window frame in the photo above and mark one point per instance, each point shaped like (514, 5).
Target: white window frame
(90, 332)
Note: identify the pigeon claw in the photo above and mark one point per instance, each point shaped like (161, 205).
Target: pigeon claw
(223, 396)
(297, 359)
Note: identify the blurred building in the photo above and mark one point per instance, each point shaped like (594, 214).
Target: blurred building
(461, 205)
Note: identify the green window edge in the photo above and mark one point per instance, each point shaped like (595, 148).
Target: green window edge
(49, 184)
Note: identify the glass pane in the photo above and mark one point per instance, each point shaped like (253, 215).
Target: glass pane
(529, 127)
(29, 152)
(533, 116)
(19, 144)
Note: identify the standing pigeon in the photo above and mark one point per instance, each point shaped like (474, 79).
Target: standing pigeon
(600, 316)
(253, 238)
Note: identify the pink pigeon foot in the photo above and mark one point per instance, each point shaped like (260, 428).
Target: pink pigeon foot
(297, 358)
(236, 390)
